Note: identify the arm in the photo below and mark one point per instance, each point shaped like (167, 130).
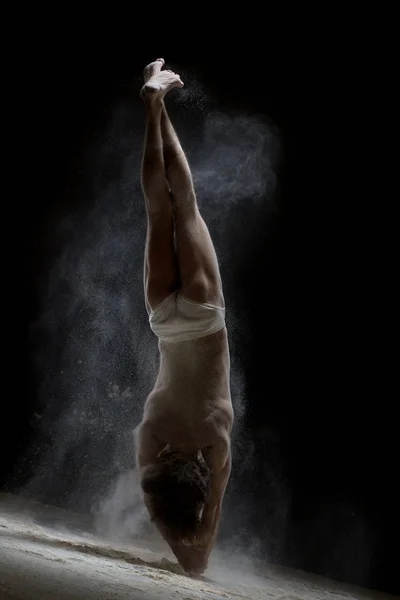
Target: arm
(148, 447)
(193, 556)
(218, 458)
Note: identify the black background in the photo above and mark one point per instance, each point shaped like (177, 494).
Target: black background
(323, 337)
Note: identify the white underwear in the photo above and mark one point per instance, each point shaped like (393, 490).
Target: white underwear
(178, 319)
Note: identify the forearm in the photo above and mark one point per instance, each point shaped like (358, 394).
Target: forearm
(193, 556)
(212, 509)
(209, 525)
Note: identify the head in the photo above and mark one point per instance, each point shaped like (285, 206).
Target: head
(176, 488)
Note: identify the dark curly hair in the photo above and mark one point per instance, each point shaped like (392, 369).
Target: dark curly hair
(177, 488)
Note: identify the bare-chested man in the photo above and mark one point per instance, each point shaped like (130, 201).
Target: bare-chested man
(184, 453)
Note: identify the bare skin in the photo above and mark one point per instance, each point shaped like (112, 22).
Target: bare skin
(189, 408)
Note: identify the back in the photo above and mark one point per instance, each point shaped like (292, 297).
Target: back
(191, 396)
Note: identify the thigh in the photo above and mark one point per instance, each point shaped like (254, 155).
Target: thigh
(197, 259)
(161, 276)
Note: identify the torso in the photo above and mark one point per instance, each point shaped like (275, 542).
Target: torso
(190, 404)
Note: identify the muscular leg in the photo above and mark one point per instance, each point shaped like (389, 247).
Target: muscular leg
(160, 264)
(198, 270)
(198, 265)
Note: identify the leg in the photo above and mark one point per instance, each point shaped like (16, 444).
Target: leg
(198, 265)
(160, 264)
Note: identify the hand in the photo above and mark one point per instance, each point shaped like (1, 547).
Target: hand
(192, 558)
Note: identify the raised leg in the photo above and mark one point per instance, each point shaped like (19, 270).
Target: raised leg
(197, 271)
(161, 275)
(198, 265)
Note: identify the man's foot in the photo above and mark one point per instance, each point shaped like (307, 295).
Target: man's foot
(157, 82)
(153, 69)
